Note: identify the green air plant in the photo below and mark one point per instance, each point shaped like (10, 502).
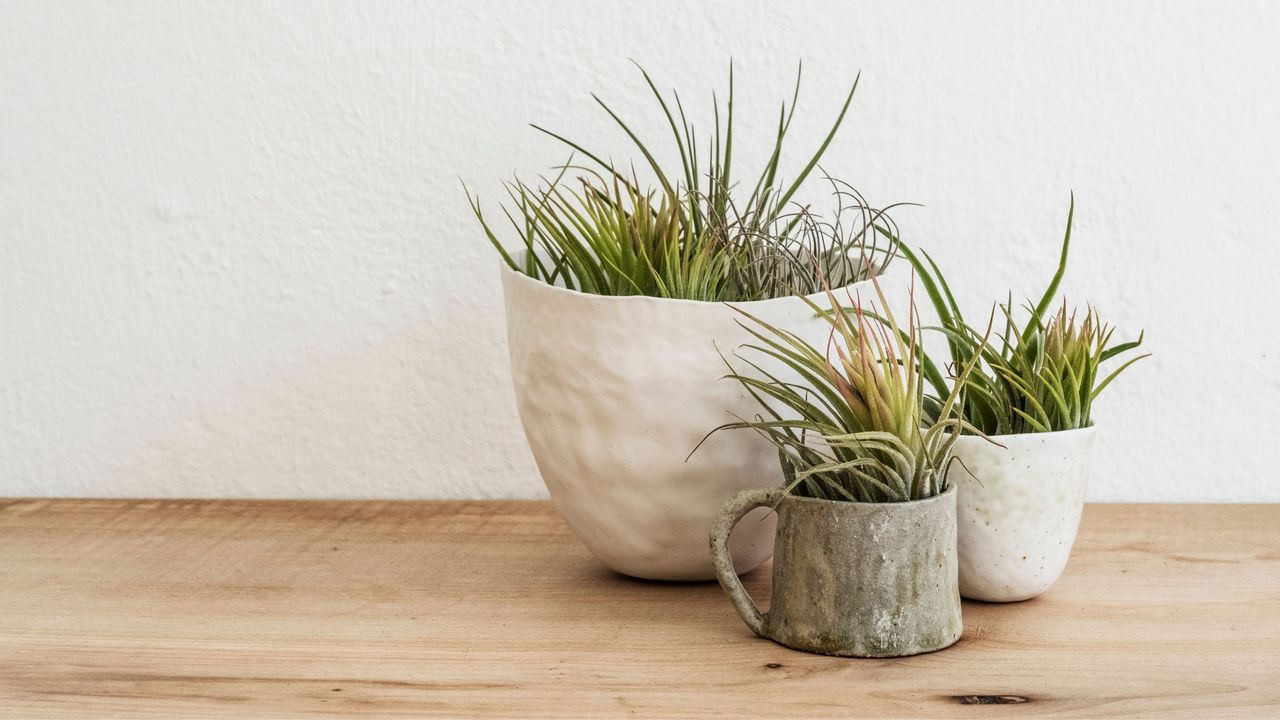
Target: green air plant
(853, 429)
(610, 239)
(1040, 377)
(596, 235)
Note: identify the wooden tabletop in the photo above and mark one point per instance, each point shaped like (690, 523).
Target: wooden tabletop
(200, 609)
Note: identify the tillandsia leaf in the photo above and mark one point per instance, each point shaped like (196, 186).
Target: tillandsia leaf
(821, 386)
(942, 302)
(765, 184)
(576, 147)
(885, 449)
(817, 155)
(1102, 385)
(493, 239)
(691, 181)
(1122, 348)
(657, 168)
(1032, 423)
(1052, 290)
(723, 179)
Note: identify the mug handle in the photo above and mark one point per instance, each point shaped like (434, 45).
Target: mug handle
(741, 504)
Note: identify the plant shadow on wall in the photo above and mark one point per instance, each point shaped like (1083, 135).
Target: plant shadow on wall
(614, 309)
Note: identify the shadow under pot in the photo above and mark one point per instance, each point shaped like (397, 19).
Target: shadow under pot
(1019, 509)
(849, 578)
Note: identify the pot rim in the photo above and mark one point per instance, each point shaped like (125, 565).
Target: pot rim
(1015, 437)
(531, 282)
(788, 497)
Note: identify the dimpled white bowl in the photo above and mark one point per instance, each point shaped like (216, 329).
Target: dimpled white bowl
(615, 392)
(1019, 510)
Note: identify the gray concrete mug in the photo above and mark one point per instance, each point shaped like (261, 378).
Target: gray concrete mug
(849, 578)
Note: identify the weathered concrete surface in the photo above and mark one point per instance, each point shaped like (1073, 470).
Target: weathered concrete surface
(854, 579)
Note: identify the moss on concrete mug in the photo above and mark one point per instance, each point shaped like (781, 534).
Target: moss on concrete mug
(854, 579)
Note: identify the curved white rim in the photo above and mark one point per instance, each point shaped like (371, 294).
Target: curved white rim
(1093, 425)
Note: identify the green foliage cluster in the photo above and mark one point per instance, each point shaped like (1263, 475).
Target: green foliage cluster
(860, 426)
(693, 236)
(854, 429)
(1041, 375)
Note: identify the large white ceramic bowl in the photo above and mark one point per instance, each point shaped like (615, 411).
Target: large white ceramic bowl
(615, 392)
(1018, 510)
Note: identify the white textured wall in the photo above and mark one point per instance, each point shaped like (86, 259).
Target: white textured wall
(235, 259)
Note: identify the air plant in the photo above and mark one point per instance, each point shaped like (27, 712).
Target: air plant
(853, 428)
(593, 237)
(610, 239)
(1041, 377)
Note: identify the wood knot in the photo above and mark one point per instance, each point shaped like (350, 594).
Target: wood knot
(773, 666)
(990, 699)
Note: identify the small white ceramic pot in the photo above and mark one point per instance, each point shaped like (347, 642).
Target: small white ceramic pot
(615, 392)
(1018, 510)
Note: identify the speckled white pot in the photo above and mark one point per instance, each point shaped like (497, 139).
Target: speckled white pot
(615, 392)
(1019, 510)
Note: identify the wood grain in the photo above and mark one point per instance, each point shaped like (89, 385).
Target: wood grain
(201, 609)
